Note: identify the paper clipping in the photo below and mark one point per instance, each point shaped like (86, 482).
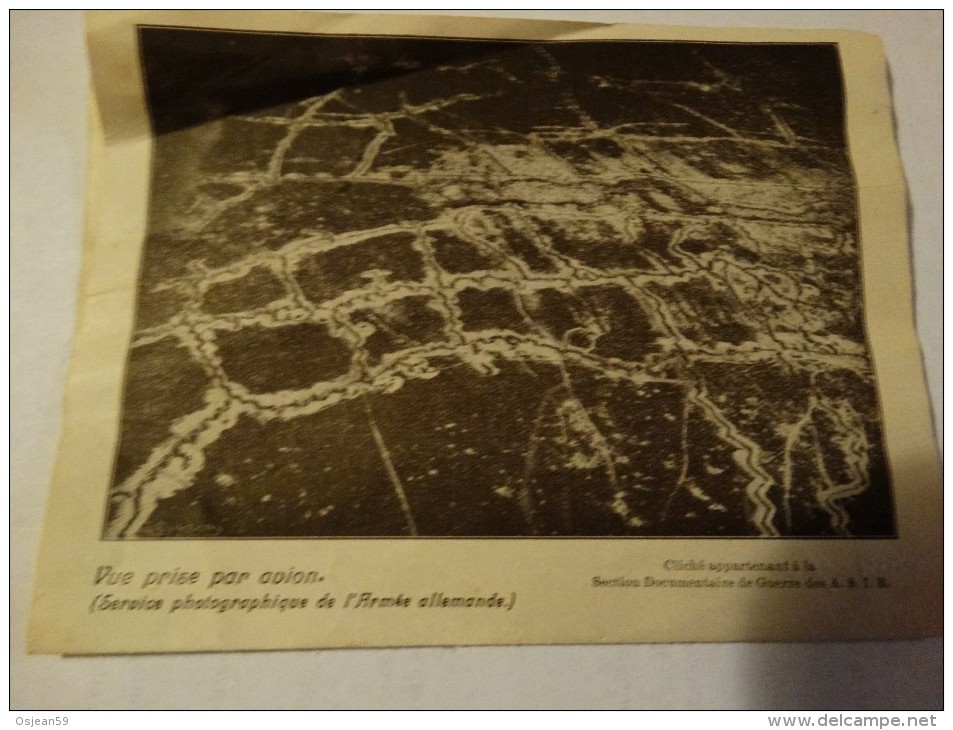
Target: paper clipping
(488, 332)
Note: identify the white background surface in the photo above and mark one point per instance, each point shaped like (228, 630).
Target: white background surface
(48, 95)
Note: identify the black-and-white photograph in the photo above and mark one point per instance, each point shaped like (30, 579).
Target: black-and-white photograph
(416, 287)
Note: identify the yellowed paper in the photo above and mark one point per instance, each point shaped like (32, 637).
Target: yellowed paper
(488, 332)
